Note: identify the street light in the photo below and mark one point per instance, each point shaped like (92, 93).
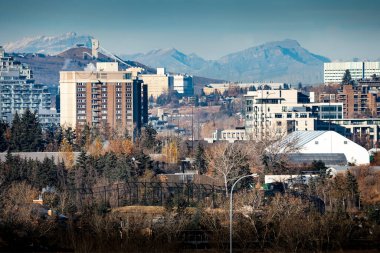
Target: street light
(231, 198)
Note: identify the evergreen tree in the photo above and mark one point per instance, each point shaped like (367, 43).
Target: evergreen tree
(109, 162)
(352, 187)
(82, 160)
(15, 141)
(3, 136)
(84, 137)
(347, 77)
(46, 174)
(32, 133)
(200, 160)
(81, 170)
(70, 135)
(148, 138)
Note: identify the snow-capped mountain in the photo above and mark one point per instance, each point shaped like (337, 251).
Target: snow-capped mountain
(48, 44)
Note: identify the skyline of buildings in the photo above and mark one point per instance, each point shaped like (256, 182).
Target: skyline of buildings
(108, 97)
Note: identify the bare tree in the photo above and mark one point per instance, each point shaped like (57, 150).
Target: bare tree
(271, 148)
(226, 160)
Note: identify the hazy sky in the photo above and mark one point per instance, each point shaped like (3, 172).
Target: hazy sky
(338, 29)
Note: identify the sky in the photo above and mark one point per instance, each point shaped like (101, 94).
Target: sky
(340, 30)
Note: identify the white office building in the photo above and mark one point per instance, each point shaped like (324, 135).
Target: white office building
(183, 84)
(284, 111)
(334, 71)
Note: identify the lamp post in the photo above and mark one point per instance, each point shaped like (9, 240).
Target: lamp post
(231, 202)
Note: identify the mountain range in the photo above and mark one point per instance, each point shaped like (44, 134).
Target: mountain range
(280, 61)
(50, 45)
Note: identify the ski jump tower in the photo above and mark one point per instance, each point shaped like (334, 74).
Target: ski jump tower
(94, 48)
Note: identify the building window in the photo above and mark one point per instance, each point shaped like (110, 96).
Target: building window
(278, 115)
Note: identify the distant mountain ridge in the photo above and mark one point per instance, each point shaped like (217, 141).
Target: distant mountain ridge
(50, 45)
(281, 61)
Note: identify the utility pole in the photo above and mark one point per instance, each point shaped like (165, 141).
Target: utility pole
(192, 128)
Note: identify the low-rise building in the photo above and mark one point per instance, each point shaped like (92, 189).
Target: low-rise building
(355, 129)
(223, 87)
(328, 142)
(230, 135)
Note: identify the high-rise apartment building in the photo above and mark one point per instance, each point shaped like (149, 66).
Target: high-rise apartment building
(18, 91)
(103, 97)
(334, 71)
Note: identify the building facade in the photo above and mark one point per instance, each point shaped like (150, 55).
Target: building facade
(18, 91)
(328, 142)
(334, 71)
(229, 135)
(284, 111)
(222, 87)
(183, 84)
(105, 97)
(158, 83)
(366, 129)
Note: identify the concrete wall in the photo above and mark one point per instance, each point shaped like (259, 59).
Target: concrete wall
(40, 156)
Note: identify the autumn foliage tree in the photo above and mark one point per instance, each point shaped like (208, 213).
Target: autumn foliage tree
(68, 155)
